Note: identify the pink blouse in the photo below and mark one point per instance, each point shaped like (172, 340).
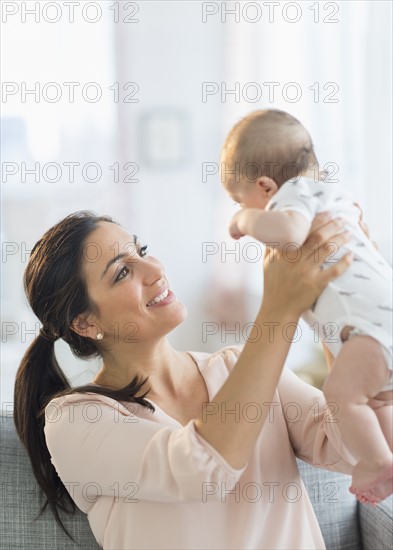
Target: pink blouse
(147, 482)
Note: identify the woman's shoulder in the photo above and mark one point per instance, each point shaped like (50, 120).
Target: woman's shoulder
(81, 402)
(227, 355)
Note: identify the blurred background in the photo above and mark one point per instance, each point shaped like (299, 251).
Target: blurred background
(122, 108)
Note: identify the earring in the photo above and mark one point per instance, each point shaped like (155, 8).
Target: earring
(99, 336)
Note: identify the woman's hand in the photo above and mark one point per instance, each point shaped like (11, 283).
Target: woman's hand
(328, 356)
(293, 278)
(363, 226)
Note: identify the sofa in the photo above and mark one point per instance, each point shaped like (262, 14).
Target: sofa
(345, 523)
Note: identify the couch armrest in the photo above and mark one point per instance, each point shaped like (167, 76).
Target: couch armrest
(376, 525)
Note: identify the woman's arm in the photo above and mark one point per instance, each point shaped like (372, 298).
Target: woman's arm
(313, 428)
(290, 287)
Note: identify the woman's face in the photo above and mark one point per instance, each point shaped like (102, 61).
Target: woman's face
(122, 281)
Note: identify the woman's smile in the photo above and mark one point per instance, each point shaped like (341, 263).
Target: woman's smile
(163, 299)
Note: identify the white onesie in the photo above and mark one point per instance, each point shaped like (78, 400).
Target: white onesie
(362, 296)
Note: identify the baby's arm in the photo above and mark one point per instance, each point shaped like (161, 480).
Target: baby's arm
(266, 226)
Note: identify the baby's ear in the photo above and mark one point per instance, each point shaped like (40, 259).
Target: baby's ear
(267, 186)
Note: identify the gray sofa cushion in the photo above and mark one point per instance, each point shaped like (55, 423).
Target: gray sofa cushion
(335, 507)
(20, 504)
(377, 525)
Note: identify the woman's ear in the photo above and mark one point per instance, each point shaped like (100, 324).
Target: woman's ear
(267, 186)
(83, 326)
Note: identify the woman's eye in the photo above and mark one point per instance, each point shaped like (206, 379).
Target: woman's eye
(142, 250)
(118, 278)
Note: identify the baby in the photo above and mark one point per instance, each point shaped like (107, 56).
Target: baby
(269, 167)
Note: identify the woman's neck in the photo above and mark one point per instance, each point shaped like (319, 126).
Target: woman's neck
(163, 365)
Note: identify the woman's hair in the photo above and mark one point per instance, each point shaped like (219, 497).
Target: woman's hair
(269, 143)
(56, 290)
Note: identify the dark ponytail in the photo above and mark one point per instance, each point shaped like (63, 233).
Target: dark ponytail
(57, 293)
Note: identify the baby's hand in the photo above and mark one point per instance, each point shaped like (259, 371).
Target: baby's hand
(233, 227)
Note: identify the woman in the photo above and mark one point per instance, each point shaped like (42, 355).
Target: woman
(206, 460)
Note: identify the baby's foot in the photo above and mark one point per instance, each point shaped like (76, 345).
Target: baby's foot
(367, 498)
(371, 483)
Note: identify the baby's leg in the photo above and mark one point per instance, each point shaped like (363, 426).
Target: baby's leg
(384, 411)
(358, 374)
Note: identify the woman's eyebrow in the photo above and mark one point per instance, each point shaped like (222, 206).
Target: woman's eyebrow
(116, 258)
(112, 261)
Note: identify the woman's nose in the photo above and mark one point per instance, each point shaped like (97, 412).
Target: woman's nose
(154, 271)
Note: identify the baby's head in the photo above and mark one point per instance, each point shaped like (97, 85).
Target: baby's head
(262, 152)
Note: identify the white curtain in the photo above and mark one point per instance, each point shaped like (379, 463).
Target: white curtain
(65, 137)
